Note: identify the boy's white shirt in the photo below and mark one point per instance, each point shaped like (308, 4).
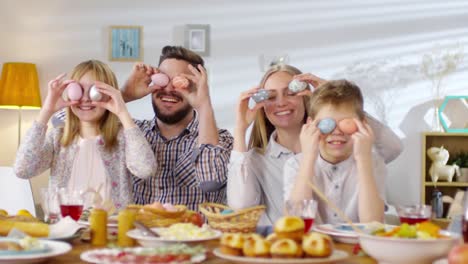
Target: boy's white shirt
(338, 182)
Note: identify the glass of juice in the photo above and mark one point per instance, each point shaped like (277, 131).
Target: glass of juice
(305, 209)
(413, 214)
(71, 203)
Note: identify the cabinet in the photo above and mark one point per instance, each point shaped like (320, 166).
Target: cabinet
(454, 143)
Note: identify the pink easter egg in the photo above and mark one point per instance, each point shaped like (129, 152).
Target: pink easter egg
(160, 79)
(169, 207)
(74, 91)
(347, 126)
(180, 82)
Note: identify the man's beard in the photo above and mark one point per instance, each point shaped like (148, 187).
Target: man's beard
(171, 118)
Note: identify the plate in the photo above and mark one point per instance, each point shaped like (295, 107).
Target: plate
(65, 238)
(336, 256)
(149, 241)
(86, 223)
(55, 248)
(98, 256)
(344, 233)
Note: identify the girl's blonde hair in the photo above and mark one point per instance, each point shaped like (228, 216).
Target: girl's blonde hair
(109, 123)
(262, 127)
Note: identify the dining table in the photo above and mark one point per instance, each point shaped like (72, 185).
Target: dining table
(79, 247)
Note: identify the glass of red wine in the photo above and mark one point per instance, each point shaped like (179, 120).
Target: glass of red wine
(71, 203)
(305, 209)
(413, 214)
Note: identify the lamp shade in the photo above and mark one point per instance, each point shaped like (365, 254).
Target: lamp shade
(19, 86)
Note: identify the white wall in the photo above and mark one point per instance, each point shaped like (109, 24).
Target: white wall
(373, 42)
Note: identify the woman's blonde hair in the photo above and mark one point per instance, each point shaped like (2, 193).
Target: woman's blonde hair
(262, 127)
(337, 93)
(109, 123)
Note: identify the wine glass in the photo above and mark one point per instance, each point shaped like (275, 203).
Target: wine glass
(412, 214)
(305, 209)
(71, 203)
(50, 204)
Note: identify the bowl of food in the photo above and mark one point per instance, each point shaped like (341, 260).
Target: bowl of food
(420, 243)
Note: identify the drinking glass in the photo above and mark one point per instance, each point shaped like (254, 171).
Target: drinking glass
(71, 203)
(412, 214)
(305, 209)
(50, 204)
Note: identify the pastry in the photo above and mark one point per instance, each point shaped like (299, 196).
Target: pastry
(256, 246)
(232, 244)
(317, 245)
(285, 248)
(290, 227)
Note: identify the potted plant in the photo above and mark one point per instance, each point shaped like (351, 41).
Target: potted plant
(461, 159)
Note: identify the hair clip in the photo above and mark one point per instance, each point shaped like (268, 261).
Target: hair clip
(94, 94)
(296, 86)
(180, 82)
(160, 79)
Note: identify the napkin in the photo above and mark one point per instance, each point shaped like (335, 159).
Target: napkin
(66, 227)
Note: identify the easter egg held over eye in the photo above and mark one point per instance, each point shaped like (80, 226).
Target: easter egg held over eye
(180, 82)
(326, 125)
(261, 95)
(296, 86)
(348, 126)
(94, 94)
(160, 79)
(74, 91)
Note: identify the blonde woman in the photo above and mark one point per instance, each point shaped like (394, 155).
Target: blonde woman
(256, 171)
(100, 146)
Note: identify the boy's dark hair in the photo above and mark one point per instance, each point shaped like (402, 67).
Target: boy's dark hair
(181, 53)
(337, 93)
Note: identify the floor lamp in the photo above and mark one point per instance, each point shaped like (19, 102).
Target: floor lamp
(19, 89)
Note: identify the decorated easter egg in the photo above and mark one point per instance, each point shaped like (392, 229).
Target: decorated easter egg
(160, 79)
(296, 86)
(348, 126)
(157, 205)
(180, 82)
(74, 91)
(326, 125)
(261, 95)
(169, 207)
(94, 94)
(227, 211)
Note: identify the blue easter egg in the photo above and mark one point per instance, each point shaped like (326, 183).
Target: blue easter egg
(326, 125)
(227, 211)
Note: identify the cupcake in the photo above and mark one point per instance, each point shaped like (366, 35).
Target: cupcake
(232, 244)
(317, 245)
(291, 227)
(285, 248)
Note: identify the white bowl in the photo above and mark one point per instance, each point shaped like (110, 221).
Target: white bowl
(406, 250)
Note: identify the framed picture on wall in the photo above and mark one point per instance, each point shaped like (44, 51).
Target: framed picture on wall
(197, 39)
(126, 43)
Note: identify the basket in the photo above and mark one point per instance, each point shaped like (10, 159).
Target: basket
(240, 221)
(152, 217)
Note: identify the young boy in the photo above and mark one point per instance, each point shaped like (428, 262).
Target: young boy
(341, 165)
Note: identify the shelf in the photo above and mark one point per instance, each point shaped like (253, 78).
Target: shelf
(446, 184)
